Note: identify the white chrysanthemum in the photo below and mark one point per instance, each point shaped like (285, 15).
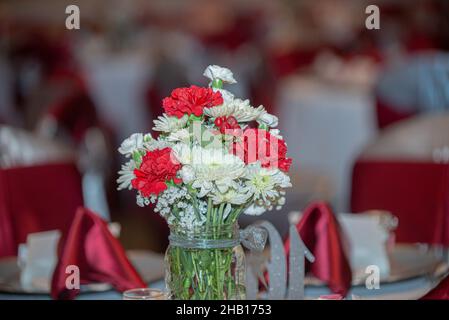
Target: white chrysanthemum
(154, 144)
(182, 135)
(213, 169)
(266, 184)
(126, 175)
(223, 110)
(216, 72)
(214, 165)
(168, 124)
(182, 153)
(268, 120)
(255, 210)
(232, 196)
(241, 110)
(133, 143)
(187, 174)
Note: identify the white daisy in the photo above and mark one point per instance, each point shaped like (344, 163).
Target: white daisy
(168, 124)
(240, 109)
(268, 120)
(182, 153)
(266, 184)
(213, 168)
(157, 144)
(126, 175)
(182, 135)
(215, 165)
(254, 210)
(232, 196)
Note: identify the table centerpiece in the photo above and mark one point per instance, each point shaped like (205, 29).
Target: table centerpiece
(215, 157)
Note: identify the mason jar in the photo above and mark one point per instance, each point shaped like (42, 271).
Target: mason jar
(207, 263)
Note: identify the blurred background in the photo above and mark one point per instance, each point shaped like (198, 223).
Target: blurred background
(364, 112)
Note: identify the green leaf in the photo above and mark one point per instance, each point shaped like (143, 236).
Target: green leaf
(147, 138)
(193, 117)
(137, 157)
(217, 84)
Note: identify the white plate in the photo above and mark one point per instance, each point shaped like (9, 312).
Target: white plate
(406, 261)
(149, 265)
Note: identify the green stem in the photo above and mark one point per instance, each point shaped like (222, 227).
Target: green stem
(206, 273)
(209, 212)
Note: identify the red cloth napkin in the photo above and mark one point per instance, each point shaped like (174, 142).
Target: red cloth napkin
(321, 233)
(98, 254)
(35, 199)
(440, 292)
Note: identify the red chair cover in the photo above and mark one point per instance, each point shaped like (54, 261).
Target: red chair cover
(76, 113)
(321, 233)
(35, 199)
(91, 247)
(387, 114)
(416, 192)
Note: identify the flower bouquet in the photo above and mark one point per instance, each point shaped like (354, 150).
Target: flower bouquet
(215, 157)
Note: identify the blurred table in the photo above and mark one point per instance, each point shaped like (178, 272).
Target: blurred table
(151, 267)
(326, 125)
(404, 290)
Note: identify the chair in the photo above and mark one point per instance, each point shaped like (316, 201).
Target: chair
(406, 172)
(40, 187)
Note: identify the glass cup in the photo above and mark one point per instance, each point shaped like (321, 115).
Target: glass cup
(144, 294)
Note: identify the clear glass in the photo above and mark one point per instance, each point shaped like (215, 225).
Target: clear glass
(205, 264)
(144, 294)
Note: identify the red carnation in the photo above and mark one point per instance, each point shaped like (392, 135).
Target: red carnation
(260, 145)
(191, 101)
(156, 168)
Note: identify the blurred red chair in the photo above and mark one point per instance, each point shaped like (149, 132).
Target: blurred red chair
(406, 172)
(387, 114)
(36, 198)
(40, 187)
(416, 84)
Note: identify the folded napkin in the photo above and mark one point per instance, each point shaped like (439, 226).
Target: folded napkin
(322, 235)
(440, 292)
(37, 259)
(91, 247)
